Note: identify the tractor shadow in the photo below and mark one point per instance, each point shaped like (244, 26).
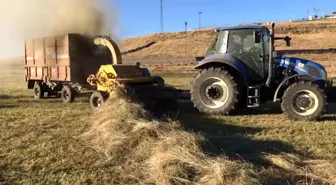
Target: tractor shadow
(224, 138)
(268, 108)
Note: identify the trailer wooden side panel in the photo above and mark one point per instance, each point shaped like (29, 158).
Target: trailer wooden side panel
(67, 58)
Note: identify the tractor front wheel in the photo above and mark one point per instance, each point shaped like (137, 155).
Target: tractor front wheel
(214, 91)
(304, 101)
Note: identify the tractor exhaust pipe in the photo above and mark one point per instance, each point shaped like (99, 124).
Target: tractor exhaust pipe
(270, 64)
(112, 46)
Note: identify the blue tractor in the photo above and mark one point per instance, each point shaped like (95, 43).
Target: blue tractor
(242, 69)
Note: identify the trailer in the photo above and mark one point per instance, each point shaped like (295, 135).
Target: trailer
(60, 65)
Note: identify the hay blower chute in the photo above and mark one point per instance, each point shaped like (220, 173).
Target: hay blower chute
(131, 80)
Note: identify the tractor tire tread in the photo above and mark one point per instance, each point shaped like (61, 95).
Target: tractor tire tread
(232, 105)
(314, 87)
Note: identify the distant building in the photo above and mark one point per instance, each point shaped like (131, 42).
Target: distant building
(332, 16)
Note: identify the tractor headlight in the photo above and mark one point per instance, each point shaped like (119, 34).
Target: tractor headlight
(324, 75)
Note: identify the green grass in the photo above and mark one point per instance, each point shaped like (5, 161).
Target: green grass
(39, 138)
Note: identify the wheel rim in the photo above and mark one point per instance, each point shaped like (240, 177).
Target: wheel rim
(214, 92)
(305, 102)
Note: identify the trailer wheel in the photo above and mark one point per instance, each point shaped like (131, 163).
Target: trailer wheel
(304, 101)
(97, 100)
(214, 91)
(67, 94)
(38, 91)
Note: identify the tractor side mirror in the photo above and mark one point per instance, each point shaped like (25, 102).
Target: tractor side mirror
(257, 36)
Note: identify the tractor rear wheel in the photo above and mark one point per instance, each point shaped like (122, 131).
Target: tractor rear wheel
(214, 91)
(67, 94)
(304, 101)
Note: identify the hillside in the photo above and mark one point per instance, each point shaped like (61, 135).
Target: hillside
(306, 35)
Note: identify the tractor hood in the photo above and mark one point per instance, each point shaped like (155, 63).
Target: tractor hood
(302, 66)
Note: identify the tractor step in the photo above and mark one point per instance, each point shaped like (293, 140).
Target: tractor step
(253, 96)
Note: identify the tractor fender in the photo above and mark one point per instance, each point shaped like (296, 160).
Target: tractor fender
(225, 59)
(302, 76)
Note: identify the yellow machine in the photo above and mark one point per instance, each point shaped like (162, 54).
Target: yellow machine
(110, 77)
(131, 79)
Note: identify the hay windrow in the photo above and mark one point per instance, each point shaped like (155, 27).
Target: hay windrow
(148, 151)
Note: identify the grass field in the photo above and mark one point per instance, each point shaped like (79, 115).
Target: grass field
(40, 141)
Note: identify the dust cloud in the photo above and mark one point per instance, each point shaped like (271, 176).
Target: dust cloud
(22, 19)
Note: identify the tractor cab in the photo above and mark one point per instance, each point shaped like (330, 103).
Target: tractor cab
(249, 44)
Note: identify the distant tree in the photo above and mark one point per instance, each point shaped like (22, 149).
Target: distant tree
(334, 13)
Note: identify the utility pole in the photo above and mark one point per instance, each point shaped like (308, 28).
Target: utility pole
(185, 40)
(315, 16)
(199, 19)
(161, 15)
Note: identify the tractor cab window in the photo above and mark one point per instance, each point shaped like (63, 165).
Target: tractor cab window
(242, 41)
(249, 43)
(235, 43)
(242, 46)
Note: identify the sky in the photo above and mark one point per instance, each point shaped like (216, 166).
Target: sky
(143, 17)
(138, 18)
